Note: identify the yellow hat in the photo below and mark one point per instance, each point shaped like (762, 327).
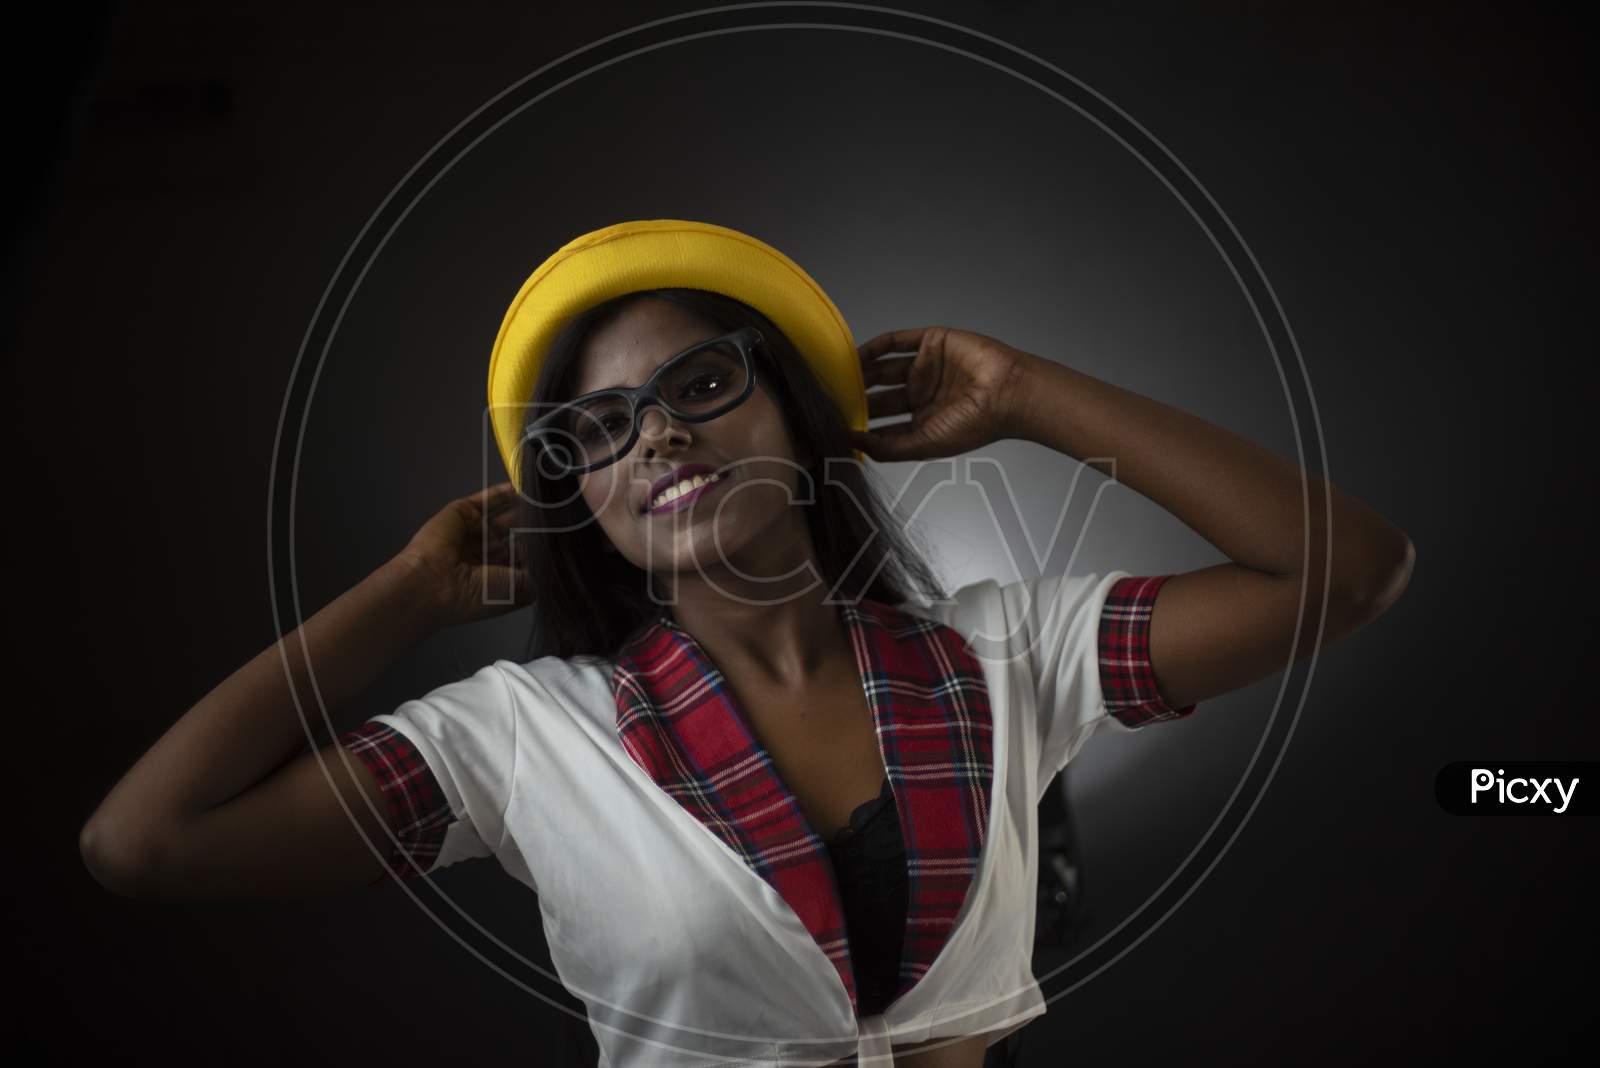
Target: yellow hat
(655, 253)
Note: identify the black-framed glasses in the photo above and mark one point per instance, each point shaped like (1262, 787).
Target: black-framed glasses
(700, 383)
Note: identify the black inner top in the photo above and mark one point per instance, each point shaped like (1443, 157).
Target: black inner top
(869, 862)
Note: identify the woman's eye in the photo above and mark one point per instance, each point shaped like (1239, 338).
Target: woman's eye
(603, 428)
(704, 385)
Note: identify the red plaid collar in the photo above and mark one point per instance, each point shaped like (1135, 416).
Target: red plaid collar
(930, 706)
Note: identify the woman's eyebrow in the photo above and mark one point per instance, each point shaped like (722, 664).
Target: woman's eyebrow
(653, 370)
(623, 385)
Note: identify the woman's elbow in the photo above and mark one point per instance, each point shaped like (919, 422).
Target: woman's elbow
(1385, 572)
(120, 858)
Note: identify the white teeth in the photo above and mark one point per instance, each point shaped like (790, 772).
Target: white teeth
(672, 493)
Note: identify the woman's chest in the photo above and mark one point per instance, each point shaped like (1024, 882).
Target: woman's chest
(648, 908)
(822, 742)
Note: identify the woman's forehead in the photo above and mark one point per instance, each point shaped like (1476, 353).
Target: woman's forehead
(628, 349)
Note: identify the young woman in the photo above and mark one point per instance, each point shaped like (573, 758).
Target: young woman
(776, 792)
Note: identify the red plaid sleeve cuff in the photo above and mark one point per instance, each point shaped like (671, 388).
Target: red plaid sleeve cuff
(1126, 679)
(417, 808)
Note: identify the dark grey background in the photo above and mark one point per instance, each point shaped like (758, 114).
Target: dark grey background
(1415, 187)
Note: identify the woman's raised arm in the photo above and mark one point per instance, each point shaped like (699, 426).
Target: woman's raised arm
(1219, 628)
(1214, 629)
(227, 804)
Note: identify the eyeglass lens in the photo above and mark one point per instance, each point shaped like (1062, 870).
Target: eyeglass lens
(697, 385)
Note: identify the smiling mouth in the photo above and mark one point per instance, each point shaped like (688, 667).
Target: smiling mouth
(681, 494)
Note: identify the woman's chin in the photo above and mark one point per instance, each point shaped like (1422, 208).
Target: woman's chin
(701, 552)
(734, 553)
(745, 540)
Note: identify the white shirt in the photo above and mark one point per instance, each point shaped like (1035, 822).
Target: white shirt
(683, 954)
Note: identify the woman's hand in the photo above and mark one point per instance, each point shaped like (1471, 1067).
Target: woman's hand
(959, 388)
(469, 576)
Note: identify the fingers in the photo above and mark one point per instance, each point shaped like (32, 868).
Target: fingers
(880, 448)
(891, 443)
(886, 370)
(499, 515)
(497, 550)
(889, 402)
(493, 498)
(497, 492)
(878, 369)
(500, 582)
(907, 340)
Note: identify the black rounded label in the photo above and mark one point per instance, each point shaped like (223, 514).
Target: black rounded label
(1516, 788)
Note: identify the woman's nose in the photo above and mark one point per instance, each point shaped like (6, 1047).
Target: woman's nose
(657, 427)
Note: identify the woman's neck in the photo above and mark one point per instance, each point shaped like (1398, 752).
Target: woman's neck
(787, 642)
(785, 632)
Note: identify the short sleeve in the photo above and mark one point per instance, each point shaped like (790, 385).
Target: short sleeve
(1127, 680)
(1085, 640)
(445, 763)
